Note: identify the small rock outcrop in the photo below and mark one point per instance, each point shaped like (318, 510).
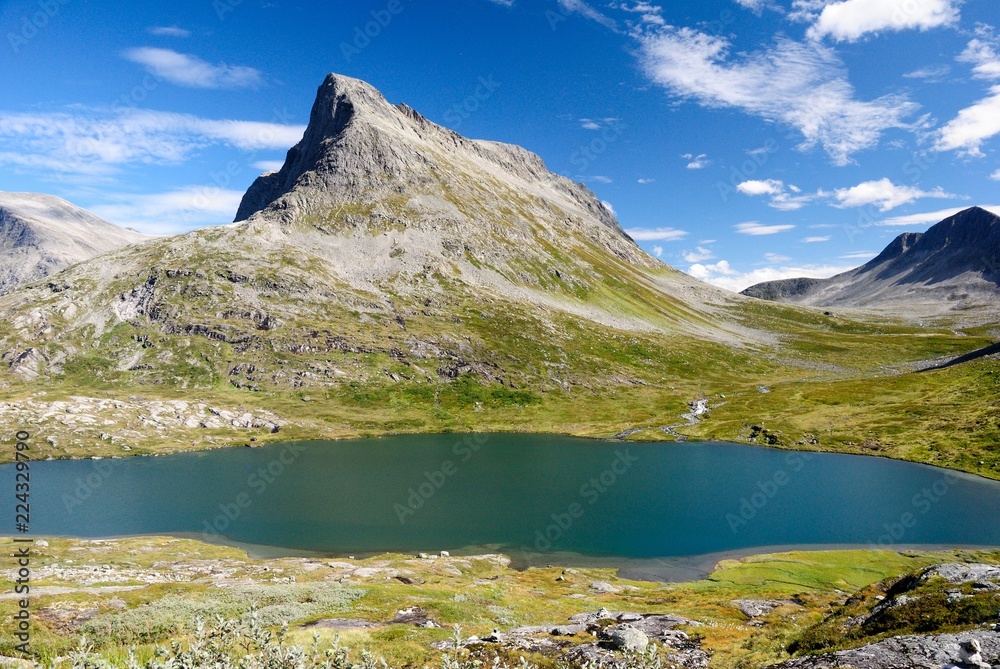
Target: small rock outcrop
(966, 650)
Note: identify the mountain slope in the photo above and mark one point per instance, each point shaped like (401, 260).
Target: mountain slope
(42, 234)
(387, 246)
(954, 266)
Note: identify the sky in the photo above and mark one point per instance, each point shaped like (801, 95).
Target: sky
(737, 140)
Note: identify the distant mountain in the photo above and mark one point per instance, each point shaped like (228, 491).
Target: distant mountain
(42, 234)
(954, 266)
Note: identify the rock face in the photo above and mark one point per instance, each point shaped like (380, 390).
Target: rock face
(42, 234)
(953, 266)
(910, 652)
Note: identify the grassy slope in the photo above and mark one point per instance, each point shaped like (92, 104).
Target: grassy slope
(478, 595)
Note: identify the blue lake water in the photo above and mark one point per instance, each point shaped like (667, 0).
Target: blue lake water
(529, 494)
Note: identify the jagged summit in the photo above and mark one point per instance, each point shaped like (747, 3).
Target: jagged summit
(361, 152)
(953, 265)
(42, 234)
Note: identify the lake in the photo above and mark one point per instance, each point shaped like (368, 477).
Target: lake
(537, 496)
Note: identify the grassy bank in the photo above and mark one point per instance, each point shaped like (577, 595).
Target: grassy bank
(146, 591)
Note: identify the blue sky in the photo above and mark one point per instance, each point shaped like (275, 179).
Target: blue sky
(738, 140)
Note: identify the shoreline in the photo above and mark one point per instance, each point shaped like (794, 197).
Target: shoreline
(668, 569)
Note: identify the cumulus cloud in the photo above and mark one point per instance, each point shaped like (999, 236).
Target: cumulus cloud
(696, 162)
(884, 194)
(783, 197)
(802, 85)
(852, 19)
(190, 71)
(758, 187)
(995, 176)
(656, 234)
(756, 229)
(980, 121)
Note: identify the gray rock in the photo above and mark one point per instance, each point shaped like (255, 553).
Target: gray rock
(604, 587)
(905, 652)
(755, 608)
(627, 638)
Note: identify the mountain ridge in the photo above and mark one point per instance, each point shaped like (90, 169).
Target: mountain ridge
(42, 234)
(954, 266)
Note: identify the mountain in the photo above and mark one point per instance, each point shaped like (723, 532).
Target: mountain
(386, 247)
(954, 266)
(42, 234)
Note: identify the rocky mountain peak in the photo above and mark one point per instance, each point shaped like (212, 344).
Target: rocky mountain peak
(363, 161)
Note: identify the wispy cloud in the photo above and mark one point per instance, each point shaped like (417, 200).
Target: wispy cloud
(816, 240)
(859, 255)
(172, 212)
(852, 19)
(98, 142)
(784, 197)
(582, 8)
(803, 85)
(929, 73)
(656, 234)
(190, 71)
(931, 216)
(169, 31)
(700, 254)
(756, 229)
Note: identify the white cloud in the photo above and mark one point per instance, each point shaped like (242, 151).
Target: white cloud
(700, 254)
(607, 205)
(186, 70)
(803, 85)
(722, 274)
(650, 14)
(268, 165)
(582, 8)
(776, 258)
(995, 176)
(172, 212)
(851, 19)
(658, 250)
(756, 6)
(983, 57)
(756, 229)
(503, 3)
(599, 178)
(597, 124)
(981, 121)
(781, 199)
(757, 187)
(646, 181)
(696, 162)
(656, 234)
(883, 193)
(931, 216)
(859, 255)
(930, 73)
(169, 31)
(816, 240)
(97, 142)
